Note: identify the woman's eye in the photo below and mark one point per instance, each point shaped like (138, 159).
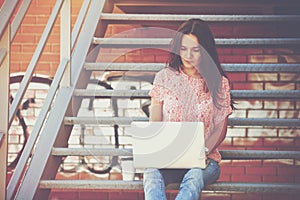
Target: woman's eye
(196, 50)
(182, 48)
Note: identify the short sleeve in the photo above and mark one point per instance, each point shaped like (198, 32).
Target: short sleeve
(224, 109)
(157, 91)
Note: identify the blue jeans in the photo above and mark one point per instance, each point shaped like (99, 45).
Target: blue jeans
(192, 183)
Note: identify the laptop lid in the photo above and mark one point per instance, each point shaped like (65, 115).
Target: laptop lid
(178, 145)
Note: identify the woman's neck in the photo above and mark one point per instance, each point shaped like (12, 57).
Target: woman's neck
(191, 72)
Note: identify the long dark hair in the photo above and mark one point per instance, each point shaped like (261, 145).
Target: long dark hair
(210, 67)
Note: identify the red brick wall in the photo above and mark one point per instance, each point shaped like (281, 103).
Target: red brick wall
(29, 34)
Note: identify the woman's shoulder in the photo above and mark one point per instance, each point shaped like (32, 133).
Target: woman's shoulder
(165, 76)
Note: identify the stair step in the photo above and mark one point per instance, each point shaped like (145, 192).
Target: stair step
(234, 67)
(236, 94)
(276, 122)
(194, 3)
(91, 184)
(164, 42)
(121, 121)
(152, 67)
(112, 93)
(265, 94)
(90, 151)
(126, 121)
(127, 18)
(138, 185)
(226, 154)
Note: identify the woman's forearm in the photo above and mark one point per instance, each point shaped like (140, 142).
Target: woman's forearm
(216, 139)
(155, 111)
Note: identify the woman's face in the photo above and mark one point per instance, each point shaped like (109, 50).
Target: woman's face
(190, 51)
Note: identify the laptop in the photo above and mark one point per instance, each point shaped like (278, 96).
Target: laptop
(173, 145)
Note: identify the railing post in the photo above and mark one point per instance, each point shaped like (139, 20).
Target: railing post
(65, 40)
(4, 106)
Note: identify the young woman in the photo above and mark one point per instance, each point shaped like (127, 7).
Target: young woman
(193, 87)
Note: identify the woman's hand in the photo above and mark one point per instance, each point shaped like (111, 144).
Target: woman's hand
(156, 110)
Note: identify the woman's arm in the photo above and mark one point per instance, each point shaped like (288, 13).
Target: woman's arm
(155, 110)
(223, 134)
(217, 138)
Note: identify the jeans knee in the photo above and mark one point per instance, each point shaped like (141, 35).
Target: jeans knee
(154, 187)
(194, 179)
(152, 176)
(152, 173)
(196, 174)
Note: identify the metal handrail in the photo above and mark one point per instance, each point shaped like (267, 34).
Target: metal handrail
(32, 65)
(52, 128)
(6, 12)
(48, 101)
(36, 129)
(19, 18)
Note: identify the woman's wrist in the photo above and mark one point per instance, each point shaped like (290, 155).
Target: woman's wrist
(206, 151)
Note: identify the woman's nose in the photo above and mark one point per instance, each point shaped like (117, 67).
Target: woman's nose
(189, 54)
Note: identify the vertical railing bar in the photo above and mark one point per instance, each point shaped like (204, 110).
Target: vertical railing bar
(79, 21)
(32, 65)
(65, 40)
(19, 18)
(4, 108)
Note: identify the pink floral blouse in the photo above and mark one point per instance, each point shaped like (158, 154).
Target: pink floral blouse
(185, 98)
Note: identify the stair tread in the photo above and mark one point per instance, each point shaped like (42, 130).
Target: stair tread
(91, 151)
(226, 154)
(125, 18)
(163, 42)
(219, 186)
(262, 94)
(124, 121)
(228, 67)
